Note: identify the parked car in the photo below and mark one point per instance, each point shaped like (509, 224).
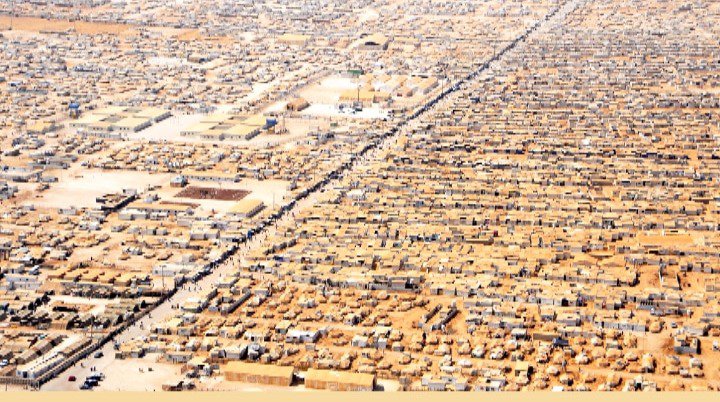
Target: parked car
(96, 377)
(72, 378)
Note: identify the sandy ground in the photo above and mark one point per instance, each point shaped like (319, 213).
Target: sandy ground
(13, 388)
(81, 189)
(169, 129)
(42, 24)
(98, 304)
(325, 110)
(388, 385)
(325, 95)
(277, 107)
(328, 91)
(266, 191)
(218, 384)
(368, 14)
(125, 375)
(34, 24)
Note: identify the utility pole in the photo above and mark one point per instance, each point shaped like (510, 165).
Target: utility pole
(92, 324)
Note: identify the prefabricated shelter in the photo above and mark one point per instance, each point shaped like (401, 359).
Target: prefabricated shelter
(259, 373)
(339, 380)
(246, 208)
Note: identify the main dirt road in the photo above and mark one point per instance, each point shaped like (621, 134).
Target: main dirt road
(116, 371)
(131, 379)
